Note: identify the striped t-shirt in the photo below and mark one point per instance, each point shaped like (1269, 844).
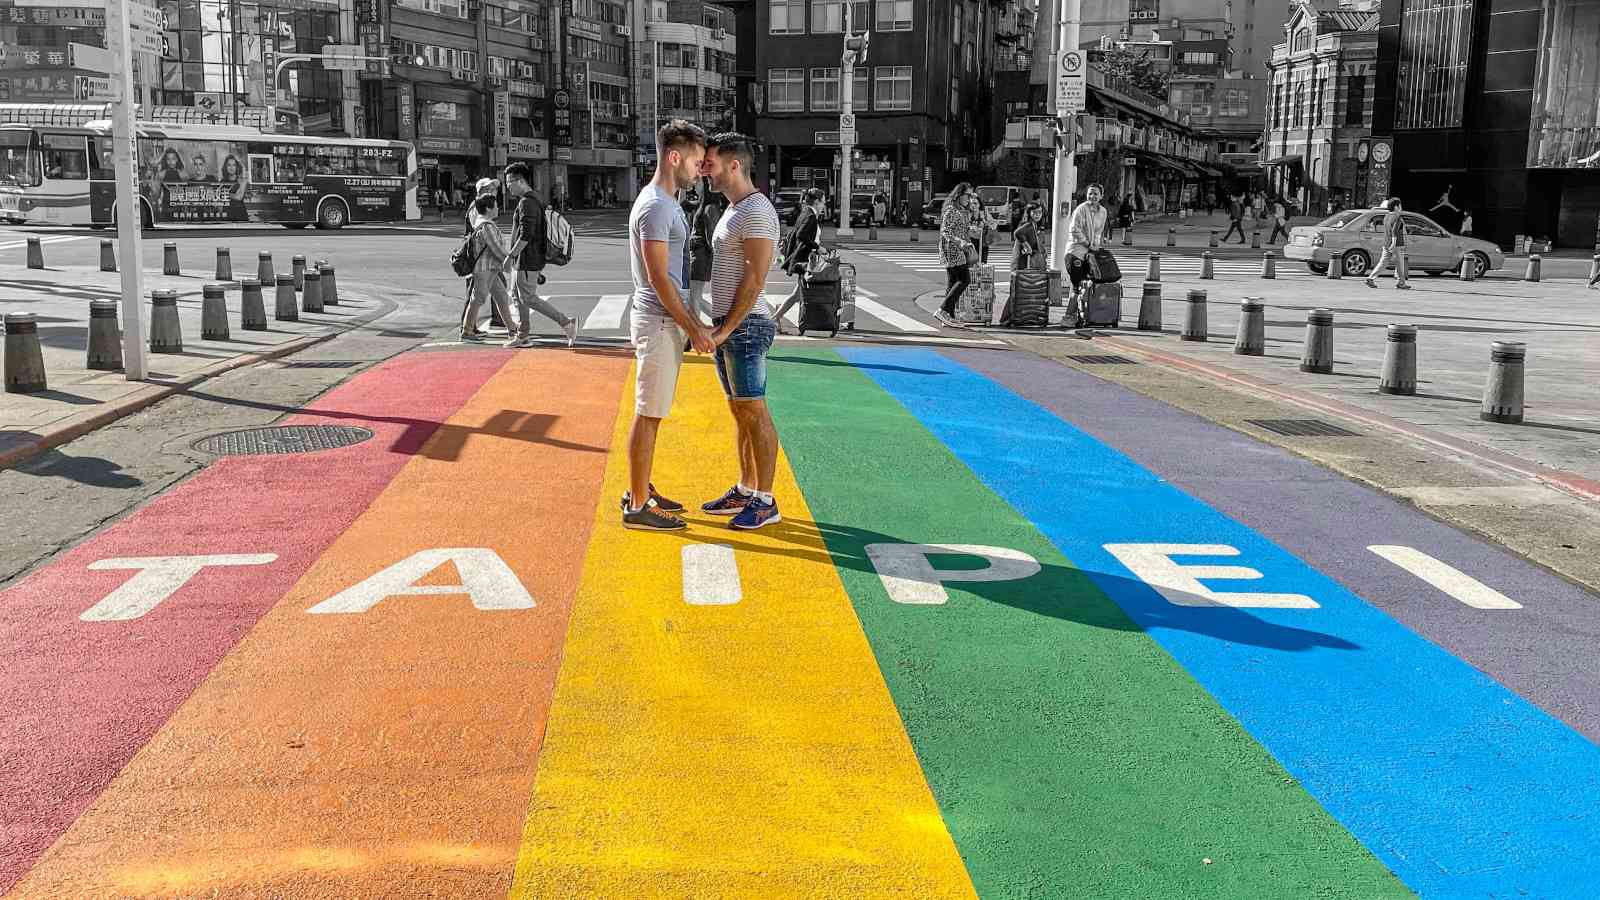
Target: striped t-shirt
(750, 218)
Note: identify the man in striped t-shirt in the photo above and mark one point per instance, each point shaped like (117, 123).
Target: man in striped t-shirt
(744, 326)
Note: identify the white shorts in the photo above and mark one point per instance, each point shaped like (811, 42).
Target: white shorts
(658, 348)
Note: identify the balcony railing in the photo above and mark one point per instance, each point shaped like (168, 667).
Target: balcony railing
(1014, 62)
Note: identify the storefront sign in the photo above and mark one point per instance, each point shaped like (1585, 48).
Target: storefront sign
(450, 145)
(371, 35)
(525, 87)
(587, 29)
(502, 116)
(528, 148)
(408, 120)
(562, 102)
(563, 153)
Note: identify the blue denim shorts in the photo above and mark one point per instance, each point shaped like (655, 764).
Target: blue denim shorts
(742, 358)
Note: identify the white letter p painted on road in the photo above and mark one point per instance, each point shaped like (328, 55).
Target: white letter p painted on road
(159, 578)
(485, 577)
(909, 576)
(1180, 583)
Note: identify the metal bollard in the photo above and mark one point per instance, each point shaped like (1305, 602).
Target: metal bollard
(1535, 263)
(1150, 307)
(1213, 241)
(252, 309)
(288, 308)
(35, 253)
(24, 358)
(264, 268)
(330, 287)
(1502, 393)
(311, 300)
(1127, 236)
(1468, 272)
(166, 334)
(1194, 318)
(1269, 265)
(1153, 270)
(108, 256)
(1399, 361)
(169, 258)
(915, 235)
(1255, 241)
(1335, 267)
(872, 232)
(1251, 339)
(299, 264)
(105, 336)
(1205, 266)
(224, 264)
(1172, 237)
(213, 313)
(1318, 354)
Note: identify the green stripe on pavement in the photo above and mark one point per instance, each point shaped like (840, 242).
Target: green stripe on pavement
(1070, 755)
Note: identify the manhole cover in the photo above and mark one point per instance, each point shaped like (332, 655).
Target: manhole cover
(284, 439)
(1104, 360)
(1302, 428)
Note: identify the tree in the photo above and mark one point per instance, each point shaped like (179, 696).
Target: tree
(1137, 68)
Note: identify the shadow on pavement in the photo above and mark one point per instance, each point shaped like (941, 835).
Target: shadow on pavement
(848, 365)
(90, 470)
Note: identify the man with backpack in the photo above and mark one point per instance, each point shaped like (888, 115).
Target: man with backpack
(528, 256)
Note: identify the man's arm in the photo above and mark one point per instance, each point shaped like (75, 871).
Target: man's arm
(658, 269)
(757, 260)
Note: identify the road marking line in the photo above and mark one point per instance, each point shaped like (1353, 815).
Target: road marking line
(1491, 495)
(607, 314)
(891, 317)
(710, 575)
(1446, 578)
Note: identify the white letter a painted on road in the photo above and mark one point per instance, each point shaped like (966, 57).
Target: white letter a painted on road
(485, 577)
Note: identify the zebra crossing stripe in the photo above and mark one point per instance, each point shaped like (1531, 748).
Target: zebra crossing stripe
(43, 239)
(607, 313)
(898, 320)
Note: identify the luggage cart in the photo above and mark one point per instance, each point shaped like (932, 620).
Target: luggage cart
(847, 296)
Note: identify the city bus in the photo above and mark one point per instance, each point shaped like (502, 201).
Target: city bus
(187, 174)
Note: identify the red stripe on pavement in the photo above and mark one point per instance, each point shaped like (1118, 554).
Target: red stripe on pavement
(81, 697)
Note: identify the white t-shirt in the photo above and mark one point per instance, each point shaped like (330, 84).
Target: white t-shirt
(751, 218)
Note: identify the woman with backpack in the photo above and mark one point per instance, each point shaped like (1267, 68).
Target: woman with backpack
(804, 240)
(488, 247)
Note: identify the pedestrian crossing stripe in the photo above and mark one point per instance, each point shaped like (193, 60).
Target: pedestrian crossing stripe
(928, 261)
(43, 239)
(609, 314)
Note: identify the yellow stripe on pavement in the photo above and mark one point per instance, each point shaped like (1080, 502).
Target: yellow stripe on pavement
(735, 748)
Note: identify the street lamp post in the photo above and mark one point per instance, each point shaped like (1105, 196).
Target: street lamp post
(1068, 13)
(855, 51)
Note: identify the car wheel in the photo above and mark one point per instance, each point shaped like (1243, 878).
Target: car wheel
(1480, 263)
(331, 214)
(1317, 268)
(1357, 263)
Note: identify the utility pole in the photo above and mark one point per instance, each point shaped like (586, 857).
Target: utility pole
(120, 48)
(855, 51)
(1070, 75)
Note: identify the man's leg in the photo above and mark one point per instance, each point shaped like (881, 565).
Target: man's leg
(749, 471)
(755, 428)
(537, 303)
(1378, 267)
(658, 353)
(500, 298)
(641, 455)
(1401, 275)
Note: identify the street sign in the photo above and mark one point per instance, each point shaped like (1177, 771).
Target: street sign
(342, 58)
(84, 56)
(847, 121)
(146, 41)
(1072, 86)
(146, 18)
(90, 87)
(849, 136)
(825, 139)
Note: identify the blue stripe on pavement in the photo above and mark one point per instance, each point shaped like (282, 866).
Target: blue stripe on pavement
(1459, 785)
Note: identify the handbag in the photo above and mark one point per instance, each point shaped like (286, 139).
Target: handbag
(971, 254)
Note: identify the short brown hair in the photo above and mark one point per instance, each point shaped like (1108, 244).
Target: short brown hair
(679, 133)
(738, 146)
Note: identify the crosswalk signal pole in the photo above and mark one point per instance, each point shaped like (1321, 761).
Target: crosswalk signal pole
(1068, 13)
(120, 48)
(855, 51)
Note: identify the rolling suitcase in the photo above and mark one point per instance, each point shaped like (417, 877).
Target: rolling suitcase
(847, 296)
(1100, 306)
(819, 303)
(1030, 299)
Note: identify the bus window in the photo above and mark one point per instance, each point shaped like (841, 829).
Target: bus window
(102, 165)
(65, 157)
(260, 169)
(289, 162)
(17, 165)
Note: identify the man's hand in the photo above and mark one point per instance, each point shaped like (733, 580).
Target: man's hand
(702, 341)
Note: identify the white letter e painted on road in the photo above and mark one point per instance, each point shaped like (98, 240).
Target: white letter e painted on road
(1180, 583)
(910, 577)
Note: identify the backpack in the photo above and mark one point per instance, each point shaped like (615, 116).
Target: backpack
(557, 238)
(464, 261)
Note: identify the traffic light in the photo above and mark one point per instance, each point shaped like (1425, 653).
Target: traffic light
(855, 48)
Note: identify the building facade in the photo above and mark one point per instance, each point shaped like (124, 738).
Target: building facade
(1494, 106)
(687, 70)
(1319, 113)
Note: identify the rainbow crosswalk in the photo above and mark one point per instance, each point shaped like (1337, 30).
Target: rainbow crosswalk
(997, 648)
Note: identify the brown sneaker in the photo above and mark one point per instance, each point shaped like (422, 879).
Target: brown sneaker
(651, 518)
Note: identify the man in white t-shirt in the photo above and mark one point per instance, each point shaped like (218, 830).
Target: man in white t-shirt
(658, 239)
(744, 326)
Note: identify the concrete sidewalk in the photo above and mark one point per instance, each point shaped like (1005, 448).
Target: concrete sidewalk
(79, 399)
(1456, 324)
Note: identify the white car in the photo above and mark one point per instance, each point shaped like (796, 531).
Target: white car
(1356, 237)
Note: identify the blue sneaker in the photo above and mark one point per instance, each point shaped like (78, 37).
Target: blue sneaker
(754, 515)
(728, 504)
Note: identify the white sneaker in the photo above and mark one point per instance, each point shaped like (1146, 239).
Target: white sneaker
(571, 328)
(515, 340)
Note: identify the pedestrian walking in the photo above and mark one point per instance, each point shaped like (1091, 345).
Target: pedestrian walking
(1394, 247)
(1235, 218)
(957, 252)
(658, 240)
(471, 307)
(527, 258)
(983, 226)
(1280, 222)
(1026, 252)
(1466, 222)
(743, 246)
(488, 280)
(1086, 233)
(1014, 210)
(803, 240)
(880, 210)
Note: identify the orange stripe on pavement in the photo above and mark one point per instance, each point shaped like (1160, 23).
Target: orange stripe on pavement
(389, 752)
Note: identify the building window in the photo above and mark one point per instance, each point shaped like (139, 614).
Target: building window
(1299, 104)
(678, 56)
(893, 90)
(1235, 103)
(1196, 58)
(824, 89)
(1566, 117)
(1302, 40)
(454, 8)
(787, 17)
(827, 16)
(859, 90)
(786, 90)
(1355, 100)
(894, 15)
(1435, 42)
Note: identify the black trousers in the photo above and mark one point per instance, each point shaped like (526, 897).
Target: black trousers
(1235, 225)
(957, 279)
(1077, 270)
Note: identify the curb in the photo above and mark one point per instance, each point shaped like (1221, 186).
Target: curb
(151, 394)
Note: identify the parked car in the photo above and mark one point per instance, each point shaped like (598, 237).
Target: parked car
(933, 209)
(861, 209)
(787, 203)
(1356, 237)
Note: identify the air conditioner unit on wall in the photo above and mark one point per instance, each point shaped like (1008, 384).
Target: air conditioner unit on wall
(623, 31)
